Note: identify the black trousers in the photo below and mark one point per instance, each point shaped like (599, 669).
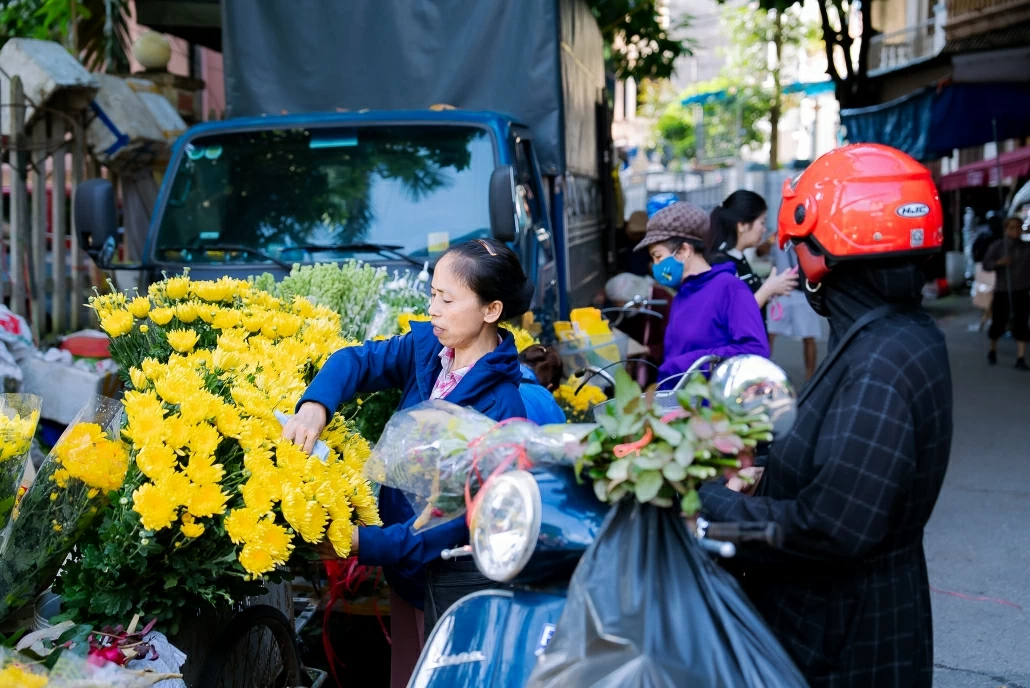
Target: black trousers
(1000, 314)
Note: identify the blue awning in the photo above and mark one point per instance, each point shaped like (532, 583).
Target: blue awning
(810, 88)
(705, 98)
(903, 123)
(930, 124)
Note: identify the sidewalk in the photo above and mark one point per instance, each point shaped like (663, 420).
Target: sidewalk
(978, 540)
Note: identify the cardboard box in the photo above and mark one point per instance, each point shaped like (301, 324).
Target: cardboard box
(983, 288)
(65, 389)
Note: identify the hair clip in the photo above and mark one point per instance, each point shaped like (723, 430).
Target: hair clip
(487, 246)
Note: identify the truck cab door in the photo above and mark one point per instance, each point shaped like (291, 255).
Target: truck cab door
(536, 247)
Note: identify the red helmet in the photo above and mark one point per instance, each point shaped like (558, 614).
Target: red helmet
(860, 201)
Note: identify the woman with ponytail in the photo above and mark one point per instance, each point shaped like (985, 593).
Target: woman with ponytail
(738, 224)
(463, 356)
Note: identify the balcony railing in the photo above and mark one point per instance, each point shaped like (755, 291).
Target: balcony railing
(957, 8)
(889, 51)
(967, 18)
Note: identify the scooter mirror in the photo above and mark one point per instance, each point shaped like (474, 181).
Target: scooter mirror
(752, 384)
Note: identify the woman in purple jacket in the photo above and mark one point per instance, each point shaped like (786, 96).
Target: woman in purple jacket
(713, 312)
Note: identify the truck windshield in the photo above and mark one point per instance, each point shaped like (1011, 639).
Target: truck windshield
(412, 188)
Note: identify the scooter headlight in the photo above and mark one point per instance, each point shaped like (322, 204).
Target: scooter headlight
(505, 525)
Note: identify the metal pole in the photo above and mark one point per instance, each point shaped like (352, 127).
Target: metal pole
(38, 260)
(59, 227)
(20, 230)
(78, 267)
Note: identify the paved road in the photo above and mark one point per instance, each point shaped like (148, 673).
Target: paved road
(978, 541)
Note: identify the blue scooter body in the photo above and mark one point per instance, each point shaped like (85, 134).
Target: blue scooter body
(491, 639)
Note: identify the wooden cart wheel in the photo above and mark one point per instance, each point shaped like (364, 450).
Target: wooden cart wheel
(258, 649)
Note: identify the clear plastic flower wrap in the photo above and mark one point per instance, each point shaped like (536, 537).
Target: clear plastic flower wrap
(440, 454)
(19, 415)
(88, 462)
(72, 670)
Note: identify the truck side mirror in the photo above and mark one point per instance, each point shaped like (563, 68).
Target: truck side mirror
(96, 220)
(508, 214)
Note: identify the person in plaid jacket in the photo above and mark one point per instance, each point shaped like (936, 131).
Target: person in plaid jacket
(856, 479)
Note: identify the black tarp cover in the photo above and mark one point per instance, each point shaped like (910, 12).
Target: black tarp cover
(512, 57)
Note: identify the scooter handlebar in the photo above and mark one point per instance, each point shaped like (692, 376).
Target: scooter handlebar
(767, 533)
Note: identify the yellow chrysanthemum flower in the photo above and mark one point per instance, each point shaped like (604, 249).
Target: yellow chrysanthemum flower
(241, 525)
(155, 509)
(227, 319)
(138, 378)
(222, 289)
(256, 560)
(340, 533)
(259, 494)
(156, 460)
(523, 339)
(203, 470)
(204, 439)
(255, 320)
(16, 433)
(186, 311)
(587, 398)
(190, 528)
(177, 432)
(139, 306)
(177, 487)
(207, 500)
(162, 316)
(88, 455)
(182, 340)
(16, 676)
(208, 312)
(177, 287)
(117, 323)
(404, 321)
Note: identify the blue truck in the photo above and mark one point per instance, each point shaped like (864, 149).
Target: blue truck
(387, 130)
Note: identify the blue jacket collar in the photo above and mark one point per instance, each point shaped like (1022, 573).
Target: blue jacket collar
(501, 364)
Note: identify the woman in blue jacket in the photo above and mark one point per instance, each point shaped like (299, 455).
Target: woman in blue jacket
(462, 356)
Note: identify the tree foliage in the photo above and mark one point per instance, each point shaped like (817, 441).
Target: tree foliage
(101, 44)
(638, 38)
(753, 30)
(847, 30)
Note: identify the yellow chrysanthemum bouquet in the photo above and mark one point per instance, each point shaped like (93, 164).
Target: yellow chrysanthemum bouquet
(19, 414)
(74, 483)
(215, 499)
(578, 400)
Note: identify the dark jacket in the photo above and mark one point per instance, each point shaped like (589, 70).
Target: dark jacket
(412, 363)
(1016, 275)
(853, 485)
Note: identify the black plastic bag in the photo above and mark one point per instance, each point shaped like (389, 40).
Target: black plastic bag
(648, 607)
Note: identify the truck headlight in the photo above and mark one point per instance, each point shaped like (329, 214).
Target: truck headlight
(505, 525)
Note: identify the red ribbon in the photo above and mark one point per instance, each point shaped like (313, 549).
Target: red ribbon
(518, 456)
(345, 578)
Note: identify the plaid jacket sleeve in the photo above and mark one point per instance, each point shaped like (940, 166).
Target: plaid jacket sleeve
(867, 448)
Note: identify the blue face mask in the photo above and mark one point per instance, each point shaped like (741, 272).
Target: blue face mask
(668, 272)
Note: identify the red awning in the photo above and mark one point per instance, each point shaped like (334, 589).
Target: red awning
(985, 172)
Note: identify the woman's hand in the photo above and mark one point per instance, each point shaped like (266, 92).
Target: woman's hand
(746, 480)
(306, 426)
(777, 284)
(782, 283)
(325, 549)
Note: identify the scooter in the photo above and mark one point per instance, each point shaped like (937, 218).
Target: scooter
(529, 530)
